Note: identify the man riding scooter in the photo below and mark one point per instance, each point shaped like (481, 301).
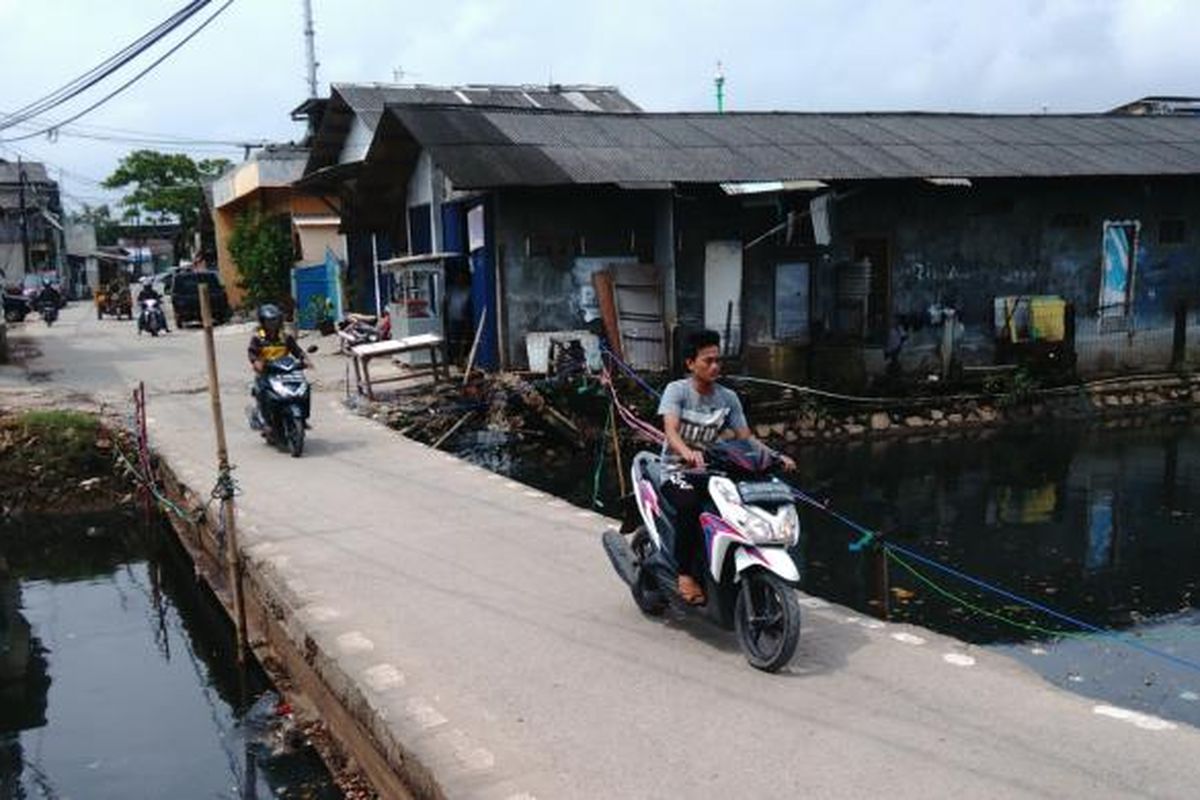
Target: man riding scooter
(147, 293)
(270, 344)
(696, 410)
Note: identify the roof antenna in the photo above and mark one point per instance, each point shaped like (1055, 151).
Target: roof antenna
(310, 54)
(719, 82)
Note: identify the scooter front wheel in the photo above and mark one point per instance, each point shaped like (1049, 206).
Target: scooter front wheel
(294, 430)
(767, 619)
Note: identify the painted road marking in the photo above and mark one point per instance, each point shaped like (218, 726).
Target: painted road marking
(1143, 721)
(354, 642)
(382, 677)
(872, 624)
(321, 613)
(1038, 651)
(908, 638)
(812, 602)
(1191, 697)
(959, 659)
(423, 714)
(470, 756)
(532, 493)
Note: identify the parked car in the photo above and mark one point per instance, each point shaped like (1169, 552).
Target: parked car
(185, 297)
(32, 285)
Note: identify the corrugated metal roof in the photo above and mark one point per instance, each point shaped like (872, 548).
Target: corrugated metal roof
(369, 100)
(482, 147)
(35, 172)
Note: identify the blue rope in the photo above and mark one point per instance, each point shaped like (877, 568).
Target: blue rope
(1183, 662)
(868, 536)
(628, 370)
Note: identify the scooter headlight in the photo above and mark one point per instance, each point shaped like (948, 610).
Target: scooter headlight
(780, 528)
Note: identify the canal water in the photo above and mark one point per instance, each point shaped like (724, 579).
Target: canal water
(117, 676)
(1099, 524)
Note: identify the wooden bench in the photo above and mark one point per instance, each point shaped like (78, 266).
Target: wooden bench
(363, 354)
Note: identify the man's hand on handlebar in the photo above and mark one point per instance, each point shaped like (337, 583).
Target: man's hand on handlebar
(787, 462)
(693, 458)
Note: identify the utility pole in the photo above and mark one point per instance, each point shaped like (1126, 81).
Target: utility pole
(310, 49)
(24, 217)
(719, 82)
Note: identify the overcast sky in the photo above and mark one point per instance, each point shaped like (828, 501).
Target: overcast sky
(239, 78)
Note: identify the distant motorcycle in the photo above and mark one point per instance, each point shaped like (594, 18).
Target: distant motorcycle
(49, 311)
(356, 330)
(286, 402)
(151, 319)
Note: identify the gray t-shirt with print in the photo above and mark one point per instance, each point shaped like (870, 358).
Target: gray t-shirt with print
(702, 417)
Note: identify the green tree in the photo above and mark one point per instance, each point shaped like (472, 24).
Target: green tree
(261, 247)
(165, 187)
(100, 218)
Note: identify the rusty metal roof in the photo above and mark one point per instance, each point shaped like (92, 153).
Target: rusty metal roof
(481, 147)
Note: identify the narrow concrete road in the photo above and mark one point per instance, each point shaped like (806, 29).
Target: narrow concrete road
(482, 623)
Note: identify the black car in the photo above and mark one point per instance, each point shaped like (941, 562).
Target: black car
(185, 297)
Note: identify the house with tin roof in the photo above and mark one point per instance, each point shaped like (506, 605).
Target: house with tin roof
(809, 240)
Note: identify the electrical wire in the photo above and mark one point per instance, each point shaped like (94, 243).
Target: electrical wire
(138, 76)
(98, 73)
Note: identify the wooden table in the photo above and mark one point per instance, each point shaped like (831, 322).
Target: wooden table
(363, 354)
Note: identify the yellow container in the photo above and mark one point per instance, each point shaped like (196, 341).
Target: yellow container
(1048, 318)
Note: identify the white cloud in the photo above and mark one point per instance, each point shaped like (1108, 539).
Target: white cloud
(242, 76)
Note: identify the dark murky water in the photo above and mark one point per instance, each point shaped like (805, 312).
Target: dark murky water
(117, 677)
(1103, 525)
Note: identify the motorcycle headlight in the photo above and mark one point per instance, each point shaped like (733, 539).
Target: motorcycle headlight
(782, 527)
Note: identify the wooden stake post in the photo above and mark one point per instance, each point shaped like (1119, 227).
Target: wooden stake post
(233, 557)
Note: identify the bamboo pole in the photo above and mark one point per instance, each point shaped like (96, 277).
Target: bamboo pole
(616, 443)
(233, 556)
(474, 346)
(453, 428)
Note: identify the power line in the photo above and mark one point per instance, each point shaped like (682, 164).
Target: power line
(90, 78)
(134, 79)
(129, 136)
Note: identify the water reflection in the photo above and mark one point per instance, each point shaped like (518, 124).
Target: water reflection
(116, 676)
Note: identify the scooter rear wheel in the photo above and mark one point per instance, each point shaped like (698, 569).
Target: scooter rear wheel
(767, 619)
(646, 592)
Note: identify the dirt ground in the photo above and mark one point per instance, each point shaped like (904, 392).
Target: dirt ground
(60, 461)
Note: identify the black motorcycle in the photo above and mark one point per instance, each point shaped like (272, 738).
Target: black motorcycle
(285, 400)
(49, 310)
(152, 320)
(16, 307)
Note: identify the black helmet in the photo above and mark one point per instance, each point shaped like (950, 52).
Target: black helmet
(269, 316)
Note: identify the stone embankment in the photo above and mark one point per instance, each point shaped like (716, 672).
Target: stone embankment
(1111, 402)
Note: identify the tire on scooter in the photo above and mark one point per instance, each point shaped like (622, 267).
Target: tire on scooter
(293, 429)
(766, 617)
(647, 594)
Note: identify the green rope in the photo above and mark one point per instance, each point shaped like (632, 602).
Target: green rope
(596, 501)
(946, 593)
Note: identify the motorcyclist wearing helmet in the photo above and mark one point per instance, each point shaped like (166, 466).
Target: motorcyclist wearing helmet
(268, 344)
(148, 292)
(49, 294)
